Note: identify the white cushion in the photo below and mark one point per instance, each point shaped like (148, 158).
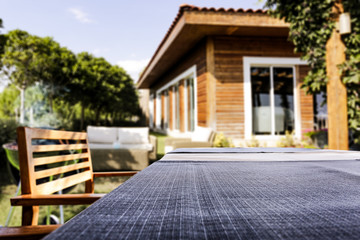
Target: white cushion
(117, 145)
(101, 146)
(168, 149)
(101, 134)
(201, 134)
(135, 135)
(144, 146)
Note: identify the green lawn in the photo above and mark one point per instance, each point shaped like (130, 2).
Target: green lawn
(160, 144)
(102, 185)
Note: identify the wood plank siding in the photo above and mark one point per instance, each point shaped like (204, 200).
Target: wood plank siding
(306, 102)
(229, 53)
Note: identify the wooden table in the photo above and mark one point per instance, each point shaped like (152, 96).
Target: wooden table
(230, 194)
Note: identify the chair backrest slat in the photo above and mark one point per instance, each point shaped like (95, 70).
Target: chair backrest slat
(47, 148)
(47, 168)
(37, 133)
(62, 158)
(62, 183)
(61, 170)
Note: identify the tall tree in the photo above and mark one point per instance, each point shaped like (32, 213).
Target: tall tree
(55, 68)
(104, 88)
(19, 61)
(311, 25)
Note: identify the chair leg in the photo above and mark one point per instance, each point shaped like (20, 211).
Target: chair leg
(89, 186)
(30, 215)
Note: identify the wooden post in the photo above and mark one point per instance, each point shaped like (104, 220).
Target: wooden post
(336, 91)
(211, 84)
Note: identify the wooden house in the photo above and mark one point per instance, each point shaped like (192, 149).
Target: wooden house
(231, 70)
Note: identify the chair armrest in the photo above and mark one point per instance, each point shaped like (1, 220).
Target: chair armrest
(192, 145)
(113, 174)
(56, 199)
(153, 141)
(27, 232)
(170, 141)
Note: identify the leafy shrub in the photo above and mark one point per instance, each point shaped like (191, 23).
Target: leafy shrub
(7, 134)
(222, 141)
(253, 142)
(288, 140)
(7, 130)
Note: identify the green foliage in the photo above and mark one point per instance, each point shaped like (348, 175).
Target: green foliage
(7, 134)
(21, 58)
(8, 102)
(222, 141)
(101, 92)
(351, 68)
(104, 88)
(7, 130)
(288, 140)
(253, 142)
(310, 28)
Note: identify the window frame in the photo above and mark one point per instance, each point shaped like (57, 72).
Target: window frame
(271, 62)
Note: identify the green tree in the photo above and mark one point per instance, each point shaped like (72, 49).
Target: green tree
(20, 62)
(311, 26)
(104, 88)
(56, 68)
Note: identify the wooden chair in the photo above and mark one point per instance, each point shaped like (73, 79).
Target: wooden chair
(68, 162)
(26, 232)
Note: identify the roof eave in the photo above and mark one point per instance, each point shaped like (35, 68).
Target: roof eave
(230, 23)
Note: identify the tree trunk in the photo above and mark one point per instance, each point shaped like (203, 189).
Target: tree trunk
(22, 106)
(51, 103)
(82, 116)
(97, 117)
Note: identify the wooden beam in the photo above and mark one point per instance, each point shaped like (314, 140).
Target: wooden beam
(336, 94)
(210, 84)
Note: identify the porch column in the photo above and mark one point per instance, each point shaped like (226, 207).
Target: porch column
(336, 92)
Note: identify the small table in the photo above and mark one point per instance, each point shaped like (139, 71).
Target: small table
(261, 193)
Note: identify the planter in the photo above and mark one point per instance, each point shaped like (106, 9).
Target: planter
(320, 138)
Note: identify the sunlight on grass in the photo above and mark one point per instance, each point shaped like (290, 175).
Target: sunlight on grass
(102, 185)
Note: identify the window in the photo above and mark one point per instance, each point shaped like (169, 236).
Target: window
(190, 104)
(278, 89)
(272, 100)
(167, 111)
(177, 107)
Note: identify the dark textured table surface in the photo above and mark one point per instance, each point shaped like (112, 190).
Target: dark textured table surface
(260, 196)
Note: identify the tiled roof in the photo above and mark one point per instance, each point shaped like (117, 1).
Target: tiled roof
(192, 8)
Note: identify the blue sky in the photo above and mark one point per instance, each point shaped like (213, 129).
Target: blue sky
(125, 32)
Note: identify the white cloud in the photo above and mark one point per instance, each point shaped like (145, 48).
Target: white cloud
(99, 51)
(133, 67)
(80, 15)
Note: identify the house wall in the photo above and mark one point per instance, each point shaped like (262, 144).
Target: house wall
(219, 61)
(195, 57)
(229, 53)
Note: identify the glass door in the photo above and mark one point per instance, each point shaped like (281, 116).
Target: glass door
(272, 100)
